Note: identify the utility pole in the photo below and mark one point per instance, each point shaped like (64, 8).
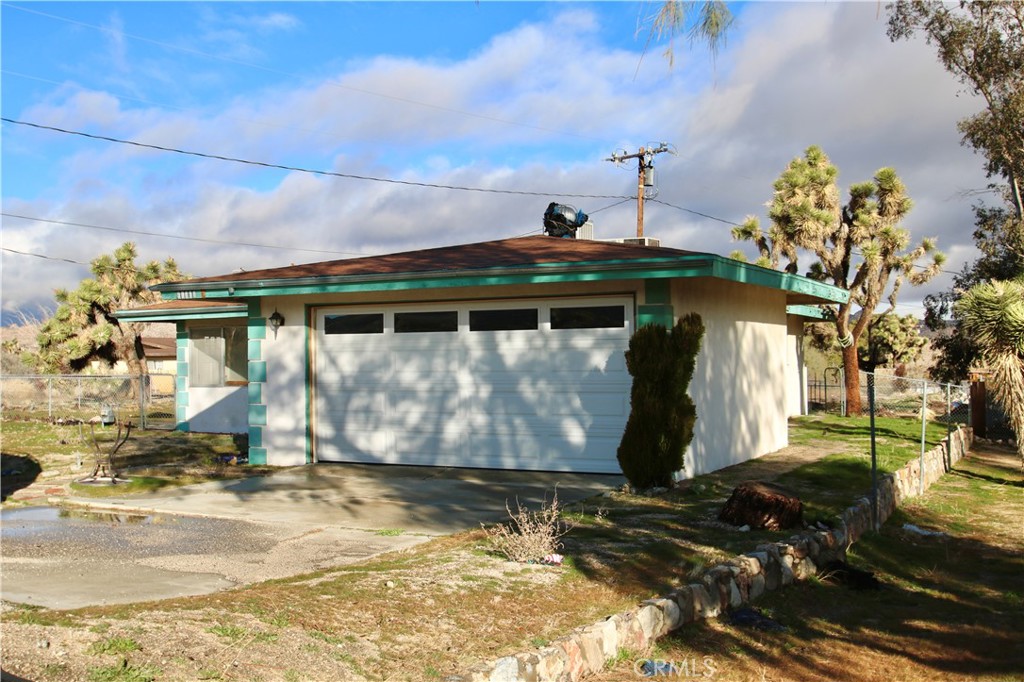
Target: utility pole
(645, 176)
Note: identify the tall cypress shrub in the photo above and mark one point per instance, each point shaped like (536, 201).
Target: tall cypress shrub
(662, 415)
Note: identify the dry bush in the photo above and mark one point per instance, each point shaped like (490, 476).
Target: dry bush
(530, 535)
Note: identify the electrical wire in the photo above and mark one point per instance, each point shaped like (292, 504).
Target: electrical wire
(175, 236)
(690, 210)
(39, 255)
(311, 171)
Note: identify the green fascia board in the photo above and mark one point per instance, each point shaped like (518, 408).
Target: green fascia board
(696, 265)
(811, 311)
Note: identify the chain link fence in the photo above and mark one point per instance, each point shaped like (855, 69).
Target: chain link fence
(148, 402)
(895, 396)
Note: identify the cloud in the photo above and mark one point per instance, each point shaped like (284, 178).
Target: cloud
(794, 75)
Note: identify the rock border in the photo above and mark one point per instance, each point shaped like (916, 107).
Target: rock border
(739, 580)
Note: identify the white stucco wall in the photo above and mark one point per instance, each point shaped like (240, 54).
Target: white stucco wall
(739, 384)
(285, 390)
(796, 370)
(218, 409)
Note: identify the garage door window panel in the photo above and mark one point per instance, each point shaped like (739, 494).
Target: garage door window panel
(588, 317)
(359, 323)
(507, 319)
(427, 322)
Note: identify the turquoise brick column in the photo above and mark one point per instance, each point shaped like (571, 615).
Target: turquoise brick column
(657, 307)
(181, 378)
(257, 384)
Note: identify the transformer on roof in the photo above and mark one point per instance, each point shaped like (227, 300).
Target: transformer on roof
(562, 221)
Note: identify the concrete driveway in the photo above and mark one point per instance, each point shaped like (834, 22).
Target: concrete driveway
(212, 536)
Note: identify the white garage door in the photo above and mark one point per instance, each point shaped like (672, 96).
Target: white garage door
(537, 384)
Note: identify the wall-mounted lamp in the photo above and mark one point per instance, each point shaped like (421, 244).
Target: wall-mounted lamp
(276, 320)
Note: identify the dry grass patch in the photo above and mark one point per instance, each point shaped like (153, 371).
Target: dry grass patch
(951, 608)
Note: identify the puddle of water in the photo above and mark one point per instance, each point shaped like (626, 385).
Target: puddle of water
(44, 514)
(28, 521)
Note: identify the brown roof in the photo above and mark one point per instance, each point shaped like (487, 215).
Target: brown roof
(520, 251)
(159, 347)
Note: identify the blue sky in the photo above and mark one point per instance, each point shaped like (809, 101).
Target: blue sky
(526, 96)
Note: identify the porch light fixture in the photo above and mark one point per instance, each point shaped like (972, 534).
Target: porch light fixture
(276, 320)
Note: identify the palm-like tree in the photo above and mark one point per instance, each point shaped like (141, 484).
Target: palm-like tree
(992, 314)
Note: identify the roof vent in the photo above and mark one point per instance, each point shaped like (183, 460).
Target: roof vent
(635, 241)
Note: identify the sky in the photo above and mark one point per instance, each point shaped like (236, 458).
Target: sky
(520, 102)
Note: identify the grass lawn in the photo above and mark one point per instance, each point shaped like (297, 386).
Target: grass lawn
(432, 610)
(35, 450)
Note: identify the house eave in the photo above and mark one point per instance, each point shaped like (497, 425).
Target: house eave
(174, 315)
(800, 290)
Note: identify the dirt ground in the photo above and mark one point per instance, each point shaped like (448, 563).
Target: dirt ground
(414, 602)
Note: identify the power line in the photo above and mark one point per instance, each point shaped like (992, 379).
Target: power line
(39, 255)
(175, 236)
(289, 74)
(298, 169)
(690, 210)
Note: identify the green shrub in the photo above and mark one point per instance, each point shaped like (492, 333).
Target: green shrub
(662, 414)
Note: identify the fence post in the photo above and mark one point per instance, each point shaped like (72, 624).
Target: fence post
(49, 397)
(924, 410)
(142, 399)
(842, 389)
(949, 428)
(874, 458)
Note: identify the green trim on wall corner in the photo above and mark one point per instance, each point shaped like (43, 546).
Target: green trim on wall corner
(258, 371)
(657, 291)
(181, 388)
(257, 456)
(655, 314)
(257, 415)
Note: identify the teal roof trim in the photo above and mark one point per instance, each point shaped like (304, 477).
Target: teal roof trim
(693, 265)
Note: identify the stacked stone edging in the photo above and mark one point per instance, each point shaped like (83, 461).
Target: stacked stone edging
(739, 580)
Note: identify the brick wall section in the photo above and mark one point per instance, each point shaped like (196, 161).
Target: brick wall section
(741, 579)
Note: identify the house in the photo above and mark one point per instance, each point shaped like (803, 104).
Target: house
(502, 354)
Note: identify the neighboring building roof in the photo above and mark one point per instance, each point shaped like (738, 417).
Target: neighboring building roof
(185, 309)
(523, 260)
(159, 347)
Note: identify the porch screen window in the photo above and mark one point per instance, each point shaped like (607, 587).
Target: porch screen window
(218, 356)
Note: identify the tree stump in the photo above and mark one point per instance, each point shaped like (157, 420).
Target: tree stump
(763, 505)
